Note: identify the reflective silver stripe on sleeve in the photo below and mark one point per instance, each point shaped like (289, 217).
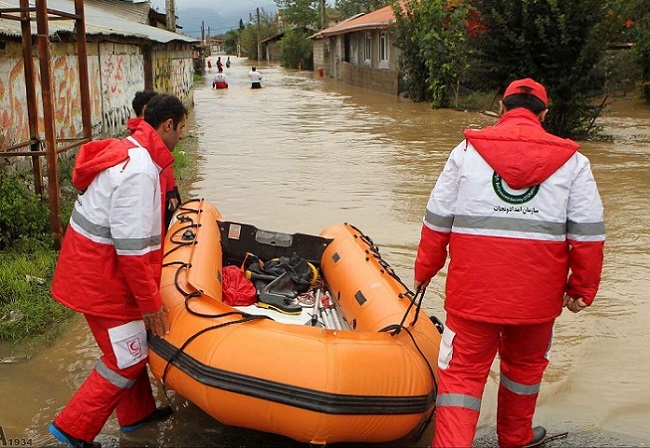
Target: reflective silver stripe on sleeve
(136, 243)
(518, 388)
(112, 377)
(90, 227)
(459, 401)
(105, 232)
(444, 222)
(511, 224)
(586, 228)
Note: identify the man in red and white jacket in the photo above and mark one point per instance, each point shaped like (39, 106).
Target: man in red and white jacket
(109, 269)
(521, 214)
(167, 179)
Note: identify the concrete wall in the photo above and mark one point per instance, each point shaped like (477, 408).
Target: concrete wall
(385, 81)
(116, 72)
(319, 55)
(121, 76)
(330, 54)
(173, 71)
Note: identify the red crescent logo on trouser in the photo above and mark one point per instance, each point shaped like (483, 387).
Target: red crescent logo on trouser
(134, 347)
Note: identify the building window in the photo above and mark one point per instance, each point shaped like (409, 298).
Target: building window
(367, 48)
(383, 47)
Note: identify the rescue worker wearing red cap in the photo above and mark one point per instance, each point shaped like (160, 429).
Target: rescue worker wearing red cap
(520, 211)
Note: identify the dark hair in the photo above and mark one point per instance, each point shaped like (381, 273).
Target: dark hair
(530, 102)
(163, 107)
(141, 99)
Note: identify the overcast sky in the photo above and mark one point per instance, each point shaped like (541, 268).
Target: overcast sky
(221, 6)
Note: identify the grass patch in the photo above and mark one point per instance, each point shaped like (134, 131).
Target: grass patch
(29, 316)
(182, 160)
(478, 101)
(28, 313)
(27, 309)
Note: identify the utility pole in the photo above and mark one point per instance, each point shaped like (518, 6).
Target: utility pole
(208, 42)
(258, 36)
(323, 19)
(203, 32)
(170, 17)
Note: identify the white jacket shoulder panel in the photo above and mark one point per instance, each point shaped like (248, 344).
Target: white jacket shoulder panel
(121, 206)
(470, 197)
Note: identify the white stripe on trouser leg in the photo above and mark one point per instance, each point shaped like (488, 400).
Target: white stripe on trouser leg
(459, 401)
(518, 388)
(112, 377)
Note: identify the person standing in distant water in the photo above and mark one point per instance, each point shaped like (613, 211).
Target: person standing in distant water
(168, 181)
(255, 77)
(228, 62)
(220, 81)
(219, 64)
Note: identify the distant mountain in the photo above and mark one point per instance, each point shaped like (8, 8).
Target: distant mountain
(219, 21)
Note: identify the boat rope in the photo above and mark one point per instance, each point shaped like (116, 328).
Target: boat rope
(188, 238)
(373, 252)
(180, 350)
(396, 329)
(189, 296)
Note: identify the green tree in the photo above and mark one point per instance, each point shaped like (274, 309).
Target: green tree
(635, 18)
(348, 8)
(299, 13)
(433, 39)
(230, 40)
(558, 43)
(643, 54)
(251, 35)
(296, 50)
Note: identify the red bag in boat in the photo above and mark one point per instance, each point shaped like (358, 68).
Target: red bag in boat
(236, 289)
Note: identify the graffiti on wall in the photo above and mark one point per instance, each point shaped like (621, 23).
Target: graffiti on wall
(14, 126)
(66, 97)
(173, 73)
(162, 72)
(182, 77)
(115, 72)
(122, 74)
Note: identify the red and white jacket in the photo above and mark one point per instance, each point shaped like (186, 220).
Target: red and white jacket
(110, 262)
(520, 211)
(167, 178)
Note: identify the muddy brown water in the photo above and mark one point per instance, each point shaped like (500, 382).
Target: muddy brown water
(305, 152)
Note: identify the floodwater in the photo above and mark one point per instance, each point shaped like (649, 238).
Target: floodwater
(305, 152)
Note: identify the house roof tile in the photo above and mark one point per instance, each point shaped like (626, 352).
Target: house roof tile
(379, 19)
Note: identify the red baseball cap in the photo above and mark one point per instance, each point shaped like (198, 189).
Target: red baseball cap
(527, 86)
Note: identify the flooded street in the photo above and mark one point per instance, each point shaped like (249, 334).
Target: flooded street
(305, 152)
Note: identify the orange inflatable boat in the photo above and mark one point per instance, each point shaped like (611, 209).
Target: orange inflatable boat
(359, 369)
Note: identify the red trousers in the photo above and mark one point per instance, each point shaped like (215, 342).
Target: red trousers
(109, 387)
(466, 354)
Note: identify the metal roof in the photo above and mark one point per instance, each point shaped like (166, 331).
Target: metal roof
(103, 18)
(379, 19)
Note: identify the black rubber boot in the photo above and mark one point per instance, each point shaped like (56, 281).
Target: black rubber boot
(159, 415)
(64, 437)
(539, 437)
